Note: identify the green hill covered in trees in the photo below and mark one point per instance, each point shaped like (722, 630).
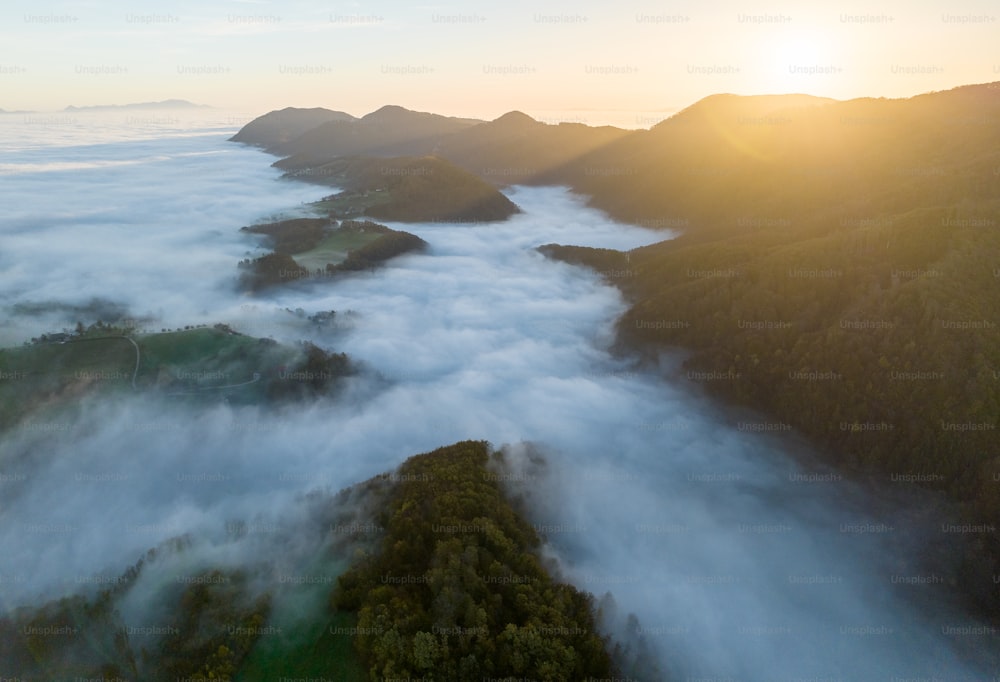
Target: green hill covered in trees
(408, 189)
(307, 248)
(55, 371)
(426, 572)
(456, 590)
(837, 268)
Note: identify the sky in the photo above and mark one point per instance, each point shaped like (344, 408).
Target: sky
(568, 61)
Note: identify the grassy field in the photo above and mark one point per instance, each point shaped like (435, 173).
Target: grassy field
(334, 248)
(207, 360)
(46, 374)
(309, 649)
(185, 364)
(351, 204)
(312, 642)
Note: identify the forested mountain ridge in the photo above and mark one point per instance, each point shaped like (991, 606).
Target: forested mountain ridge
(443, 580)
(856, 301)
(514, 148)
(723, 165)
(729, 165)
(456, 590)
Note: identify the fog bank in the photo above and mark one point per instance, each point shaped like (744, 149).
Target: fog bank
(738, 562)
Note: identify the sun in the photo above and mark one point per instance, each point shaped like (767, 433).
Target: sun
(799, 63)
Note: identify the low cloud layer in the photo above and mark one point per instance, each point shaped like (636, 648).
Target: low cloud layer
(739, 562)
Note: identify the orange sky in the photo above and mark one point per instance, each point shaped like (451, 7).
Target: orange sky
(554, 60)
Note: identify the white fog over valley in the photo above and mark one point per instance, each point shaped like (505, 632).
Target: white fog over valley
(738, 555)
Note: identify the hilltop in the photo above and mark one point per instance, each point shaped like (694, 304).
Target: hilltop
(470, 601)
(408, 189)
(389, 131)
(56, 371)
(279, 127)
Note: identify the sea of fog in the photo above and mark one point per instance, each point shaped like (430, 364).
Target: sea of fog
(740, 558)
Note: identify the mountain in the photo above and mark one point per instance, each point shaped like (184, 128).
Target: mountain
(165, 104)
(727, 163)
(278, 127)
(743, 109)
(515, 148)
(389, 131)
(484, 589)
(837, 269)
(408, 188)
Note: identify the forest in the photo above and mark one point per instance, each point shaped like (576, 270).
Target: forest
(197, 364)
(406, 189)
(293, 236)
(373, 243)
(864, 356)
(438, 578)
(456, 590)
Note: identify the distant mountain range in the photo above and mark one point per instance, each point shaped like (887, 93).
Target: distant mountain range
(140, 106)
(513, 148)
(390, 131)
(720, 146)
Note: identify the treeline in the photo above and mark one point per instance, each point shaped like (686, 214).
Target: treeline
(389, 245)
(293, 236)
(270, 270)
(318, 373)
(455, 590)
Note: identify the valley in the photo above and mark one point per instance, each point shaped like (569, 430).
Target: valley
(751, 437)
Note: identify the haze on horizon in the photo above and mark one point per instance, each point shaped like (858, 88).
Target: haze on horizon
(554, 61)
